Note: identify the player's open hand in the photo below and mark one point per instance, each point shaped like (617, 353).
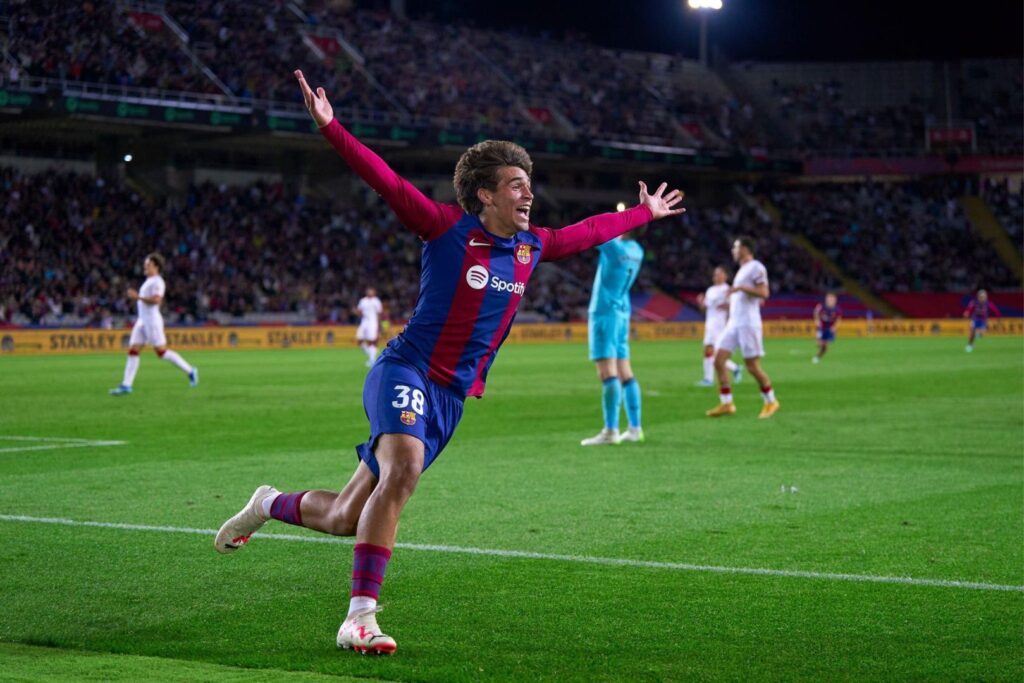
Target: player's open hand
(661, 204)
(133, 293)
(316, 102)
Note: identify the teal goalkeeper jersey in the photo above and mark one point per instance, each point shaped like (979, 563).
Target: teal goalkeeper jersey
(617, 268)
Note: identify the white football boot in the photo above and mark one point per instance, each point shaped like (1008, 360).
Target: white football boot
(235, 532)
(634, 434)
(361, 633)
(606, 437)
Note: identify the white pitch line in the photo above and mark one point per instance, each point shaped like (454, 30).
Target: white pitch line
(522, 554)
(53, 443)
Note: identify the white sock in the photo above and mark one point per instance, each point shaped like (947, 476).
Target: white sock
(371, 351)
(360, 604)
(725, 396)
(131, 366)
(266, 503)
(709, 368)
(173, 357)
(730, 366)
(769, 396)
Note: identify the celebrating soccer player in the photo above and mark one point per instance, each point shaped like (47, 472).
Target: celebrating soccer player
(608, 332)
(476, 263)
(715, 302)
(826, 322)
(978, 311)
(149, 328)
(744, 330)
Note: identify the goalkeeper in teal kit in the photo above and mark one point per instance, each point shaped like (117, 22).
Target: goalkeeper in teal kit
(608, 331)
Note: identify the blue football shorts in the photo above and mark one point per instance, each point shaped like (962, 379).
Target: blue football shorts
(398, 399)
(826, 335)
(608, 336)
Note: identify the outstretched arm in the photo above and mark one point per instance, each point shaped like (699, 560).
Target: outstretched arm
(425, 217)
(572, 239)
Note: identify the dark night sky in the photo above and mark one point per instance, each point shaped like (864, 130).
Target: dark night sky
(768, 29)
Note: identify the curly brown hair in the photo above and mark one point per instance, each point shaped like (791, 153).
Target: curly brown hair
(478, 168)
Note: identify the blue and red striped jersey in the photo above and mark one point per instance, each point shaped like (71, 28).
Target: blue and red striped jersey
(471, 280)
(827, 317)
(976, 310)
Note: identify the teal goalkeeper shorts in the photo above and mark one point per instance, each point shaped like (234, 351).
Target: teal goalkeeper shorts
(608, 336)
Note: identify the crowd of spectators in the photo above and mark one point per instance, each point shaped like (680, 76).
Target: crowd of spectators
(997, 118)
(71, 244)
(504, 83)
(501, 82)
(254, 48)
(430, 70)
(96, 41)
(1008, 206)
(825, 123)
(910, 237)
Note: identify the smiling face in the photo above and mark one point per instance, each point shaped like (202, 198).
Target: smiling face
(507, 207)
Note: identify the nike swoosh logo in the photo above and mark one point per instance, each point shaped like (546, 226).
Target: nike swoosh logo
(474, 243)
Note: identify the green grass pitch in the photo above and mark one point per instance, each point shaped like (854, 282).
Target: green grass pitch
(907, 456)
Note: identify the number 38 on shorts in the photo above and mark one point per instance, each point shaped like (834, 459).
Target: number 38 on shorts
(408, 397)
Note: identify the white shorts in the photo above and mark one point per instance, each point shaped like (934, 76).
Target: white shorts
(748, 339)
(711, 333)
(148, 333)
(367, 331)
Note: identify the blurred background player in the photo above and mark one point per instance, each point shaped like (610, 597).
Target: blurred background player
(715, 303)
(477, 258)
(370, 309)
(978, 311)
(826, 320)
(744, 330)
(149, 328)
(608, 332)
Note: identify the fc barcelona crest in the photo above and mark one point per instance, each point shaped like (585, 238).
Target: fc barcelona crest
(408, 417)
(523, 253)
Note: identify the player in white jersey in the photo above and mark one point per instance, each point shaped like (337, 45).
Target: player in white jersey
(149, 328)
(744, 330)
(715, 303)
(370, 309)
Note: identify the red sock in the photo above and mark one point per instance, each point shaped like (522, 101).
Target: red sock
(369, 562)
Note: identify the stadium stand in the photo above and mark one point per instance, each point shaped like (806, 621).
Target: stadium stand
(71, 242)
(259, 249)
(896, 237)
(97, 42)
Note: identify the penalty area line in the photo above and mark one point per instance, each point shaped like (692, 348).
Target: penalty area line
(527, 555)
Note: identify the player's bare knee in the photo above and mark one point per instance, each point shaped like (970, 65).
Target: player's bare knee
(606, 368)
(400, 478)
